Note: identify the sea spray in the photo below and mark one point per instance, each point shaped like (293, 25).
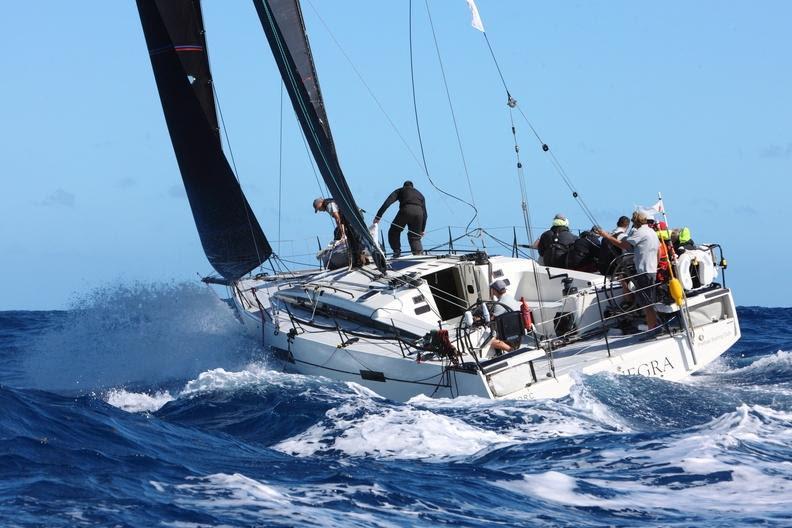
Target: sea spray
(124, 335)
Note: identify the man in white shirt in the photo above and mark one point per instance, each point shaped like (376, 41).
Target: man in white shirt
(644, 243)
(505, 301)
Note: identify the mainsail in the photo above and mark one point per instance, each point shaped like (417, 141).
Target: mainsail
(283, 24)
(230, 234)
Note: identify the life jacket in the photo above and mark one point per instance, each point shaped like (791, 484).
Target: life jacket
(665, 252)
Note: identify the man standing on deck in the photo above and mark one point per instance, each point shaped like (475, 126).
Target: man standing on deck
(644, 243)
(329, 206)
(412, 214)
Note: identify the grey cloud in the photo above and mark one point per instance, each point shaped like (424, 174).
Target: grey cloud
(777, 151)
(745, 210)
(177, 191)
(127, 182)
(59, 198)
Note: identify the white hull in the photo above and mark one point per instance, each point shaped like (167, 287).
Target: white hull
(388, 368)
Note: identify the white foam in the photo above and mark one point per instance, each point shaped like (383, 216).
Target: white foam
(754, 486)
(589, 405)
(259, 375)
(220, 379)
(137, 401)
(438, 429)
(248, 501)
(530, 421)
(781, 358)
(551, 486)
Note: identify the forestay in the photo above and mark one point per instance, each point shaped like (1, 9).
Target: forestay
(283, 25)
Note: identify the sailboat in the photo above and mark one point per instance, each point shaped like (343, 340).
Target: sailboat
(421, 324)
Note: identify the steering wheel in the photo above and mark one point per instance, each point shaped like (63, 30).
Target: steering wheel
(617, 286)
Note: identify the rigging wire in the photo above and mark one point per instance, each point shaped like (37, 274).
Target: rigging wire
(367, 87)
(418, 125)
(280, 167)
(323, 190)
(453, 118)
(545, 147)
(354, 220)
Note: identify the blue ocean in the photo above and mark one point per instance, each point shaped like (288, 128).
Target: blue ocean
(143, 405)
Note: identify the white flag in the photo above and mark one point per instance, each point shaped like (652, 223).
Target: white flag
(476, 22)
(658, 206)
(652, 210)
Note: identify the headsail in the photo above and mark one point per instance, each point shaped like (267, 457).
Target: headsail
(283, 24)
(230, 234)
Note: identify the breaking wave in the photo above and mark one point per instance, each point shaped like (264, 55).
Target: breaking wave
(155, 410)
(138, 334)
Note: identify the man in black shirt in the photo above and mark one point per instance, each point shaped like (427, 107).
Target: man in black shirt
(412, 213)
(554, 243)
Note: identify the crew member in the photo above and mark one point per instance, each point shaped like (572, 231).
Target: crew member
(644, 243)
(554, 243)
(504, 302)
(412, 214)
(584, 253)
(608, 251)
(329, 206)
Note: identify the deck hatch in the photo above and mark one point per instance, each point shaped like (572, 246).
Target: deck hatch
(372, 375)
(419, 310)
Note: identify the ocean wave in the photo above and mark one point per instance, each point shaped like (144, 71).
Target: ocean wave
(238, 498)
(137, 401)
(435, 430)
(148, 334)
(713, 467)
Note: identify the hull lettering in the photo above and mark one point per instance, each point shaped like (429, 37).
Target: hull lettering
(654, 368)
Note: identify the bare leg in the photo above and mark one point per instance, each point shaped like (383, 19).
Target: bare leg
(651, 316)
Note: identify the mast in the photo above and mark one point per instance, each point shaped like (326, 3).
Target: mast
(285, 30)
(231, 236)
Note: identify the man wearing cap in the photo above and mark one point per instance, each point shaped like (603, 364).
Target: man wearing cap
(329, 206)
(644, 242)
(554, 243)
(505, 300)
(498, 291)
(412, 214)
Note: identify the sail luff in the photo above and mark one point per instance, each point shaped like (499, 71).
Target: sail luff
(230, 234)
(285, 31)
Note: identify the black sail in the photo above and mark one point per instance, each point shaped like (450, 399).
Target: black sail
(285, 30)
(230, 234)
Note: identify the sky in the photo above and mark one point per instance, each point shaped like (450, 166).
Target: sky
(691, 99)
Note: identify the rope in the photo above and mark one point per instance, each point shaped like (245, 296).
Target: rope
(545, 148)
(453, 118)
(367, 87)
(280, 166)
(418, 125)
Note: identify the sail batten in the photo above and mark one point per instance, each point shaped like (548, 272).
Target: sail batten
(230, 234)
(285, 31)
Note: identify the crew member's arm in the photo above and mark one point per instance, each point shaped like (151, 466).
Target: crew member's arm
(390, 200)
(613, 240)
(337, 217)
(425, 216)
